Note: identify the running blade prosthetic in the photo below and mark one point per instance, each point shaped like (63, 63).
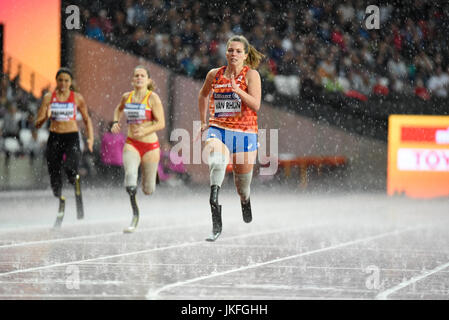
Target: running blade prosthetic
(246, 211)
(133, 225)
(60, 215)
(79, 199)
(216, 224)
(132, 196)
(216, 213)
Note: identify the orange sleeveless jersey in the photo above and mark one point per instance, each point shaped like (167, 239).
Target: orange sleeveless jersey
(226, 109)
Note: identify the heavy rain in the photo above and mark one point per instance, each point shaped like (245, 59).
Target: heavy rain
(107, 189)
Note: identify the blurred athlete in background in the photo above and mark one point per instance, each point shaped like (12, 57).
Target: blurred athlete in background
(63, 145)
(145, 115)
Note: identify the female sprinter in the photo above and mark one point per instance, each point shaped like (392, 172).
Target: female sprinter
(145, 115)
(61, 107)
(235, 94)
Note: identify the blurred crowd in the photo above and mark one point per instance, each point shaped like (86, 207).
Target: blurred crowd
(311, 46)
(18, 135)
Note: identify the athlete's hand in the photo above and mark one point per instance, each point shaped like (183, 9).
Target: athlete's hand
(200, 132)
(90, 145)
(234, 85)
(115, 128)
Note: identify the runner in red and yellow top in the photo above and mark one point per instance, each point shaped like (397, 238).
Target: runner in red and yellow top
(235, 94)
(145, 115)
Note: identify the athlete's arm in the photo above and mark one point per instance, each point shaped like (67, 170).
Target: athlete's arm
(253, 96)
(118, 112)
(44, 111)
(158, 122)
(203, 96)
(82, 107)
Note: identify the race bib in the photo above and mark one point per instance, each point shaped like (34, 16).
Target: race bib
(227, 104)
(62, 111)
(135, 112)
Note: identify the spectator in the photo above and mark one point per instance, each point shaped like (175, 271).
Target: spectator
(288, 42)
(359, 87)
(130, 12)
(397, 38)
(139, 13)
(138, 41)
(277, 52)
(423, 63)
(381, 87)
(10, 131)
(409, 44)
(346, 12)
(316, 10)
(6, 91)
(288, 65)
(324, 32)
(29, 137)
(337, 37)
(368, 82)
(382, 58)
(327, 68)
(367, 57)
(396, 67)
(311, 88)
(203, 67)
(93, 30)
(105, 24)
(438, 83)
(420, 90)
(120, 29)
(11, 121)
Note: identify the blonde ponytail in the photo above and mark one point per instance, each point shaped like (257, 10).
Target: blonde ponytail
(151, 85)
(254, 57)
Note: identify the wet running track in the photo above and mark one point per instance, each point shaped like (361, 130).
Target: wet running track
(299, 246)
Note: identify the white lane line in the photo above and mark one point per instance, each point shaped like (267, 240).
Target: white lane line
(28, 243)
(187, 244)
(384, 294)
(152, 294)
(98, 258)
(68, 224)
(96, 235)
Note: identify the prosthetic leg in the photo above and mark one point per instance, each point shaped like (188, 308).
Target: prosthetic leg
(132, 196)
(246, 211)
(217, 171)
(216, 213)
(242, 182)
(60, 215)
(79, 199)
